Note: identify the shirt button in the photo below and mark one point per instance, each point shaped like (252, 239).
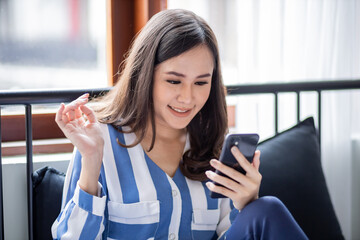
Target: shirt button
(172, 236)
(174, 193)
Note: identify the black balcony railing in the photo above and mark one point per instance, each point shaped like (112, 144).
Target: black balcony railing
(29, 98)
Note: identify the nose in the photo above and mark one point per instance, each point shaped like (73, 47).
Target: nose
(185, 94)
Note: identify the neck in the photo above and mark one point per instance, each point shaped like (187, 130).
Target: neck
(164, 134)
(168, 148)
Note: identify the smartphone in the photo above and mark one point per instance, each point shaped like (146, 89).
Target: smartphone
(246, 143)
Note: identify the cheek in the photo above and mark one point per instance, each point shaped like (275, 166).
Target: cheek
(161, 98)
(203, 97)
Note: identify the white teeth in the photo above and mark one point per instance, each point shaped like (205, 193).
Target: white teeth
(178, 110)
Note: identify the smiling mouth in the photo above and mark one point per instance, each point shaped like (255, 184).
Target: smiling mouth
(179, 110)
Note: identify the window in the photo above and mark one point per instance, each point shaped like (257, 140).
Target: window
(52, 44)
(61, 45)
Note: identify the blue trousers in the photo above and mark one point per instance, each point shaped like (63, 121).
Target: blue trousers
(266, 218)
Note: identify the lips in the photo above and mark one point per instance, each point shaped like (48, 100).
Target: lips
(180, 112)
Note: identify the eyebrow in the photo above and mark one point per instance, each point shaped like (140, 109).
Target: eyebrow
(182, 75)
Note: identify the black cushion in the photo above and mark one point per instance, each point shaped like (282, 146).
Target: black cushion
(47, 185)
(291, 170)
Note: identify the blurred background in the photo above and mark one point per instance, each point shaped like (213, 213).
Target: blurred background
(63, 44)
(52, 44)
(296, 40)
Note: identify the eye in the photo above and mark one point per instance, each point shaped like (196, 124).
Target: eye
(173, 81)
(201, 83)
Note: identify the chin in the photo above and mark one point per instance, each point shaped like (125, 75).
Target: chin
(179, 124)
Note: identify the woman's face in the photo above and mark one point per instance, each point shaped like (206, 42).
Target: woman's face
(182, 86)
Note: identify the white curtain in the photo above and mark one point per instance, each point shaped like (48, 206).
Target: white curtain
(295, 40)
(311, 40)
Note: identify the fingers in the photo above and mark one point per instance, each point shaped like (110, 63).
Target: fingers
(241, 188)
(59, 116)
(74, 110)
(71, 115)
(89, 113)
(244, 163)
(222, 190)
(225, 181)
(78, 113)
(226, 170)
(252, 176)
(256, 160)
(82, 100)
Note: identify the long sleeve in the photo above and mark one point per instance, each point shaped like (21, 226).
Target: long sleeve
(82, 215)
(227, 216)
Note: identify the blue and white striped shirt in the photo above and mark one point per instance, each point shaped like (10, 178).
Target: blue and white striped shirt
(138, 200)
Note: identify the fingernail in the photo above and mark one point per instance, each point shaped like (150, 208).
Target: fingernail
(233, 149)
(208, 173)
(209, 185)
(213, 162)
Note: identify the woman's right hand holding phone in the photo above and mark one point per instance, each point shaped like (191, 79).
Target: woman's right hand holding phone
(241, 189)
(80, 126)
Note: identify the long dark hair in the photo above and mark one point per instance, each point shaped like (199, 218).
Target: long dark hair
(168, 34)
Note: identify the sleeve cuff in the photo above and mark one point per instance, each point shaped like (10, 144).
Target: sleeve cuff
(88, 202)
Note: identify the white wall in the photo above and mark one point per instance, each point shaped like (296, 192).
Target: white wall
(355, 188)
(15, 193)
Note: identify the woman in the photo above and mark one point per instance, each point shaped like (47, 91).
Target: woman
(143, 153)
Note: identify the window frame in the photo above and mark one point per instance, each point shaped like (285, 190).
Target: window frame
(124, 19)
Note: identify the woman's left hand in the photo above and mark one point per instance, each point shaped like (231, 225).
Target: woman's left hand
(241, 189)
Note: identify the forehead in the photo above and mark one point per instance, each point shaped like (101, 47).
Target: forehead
(197, 60)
